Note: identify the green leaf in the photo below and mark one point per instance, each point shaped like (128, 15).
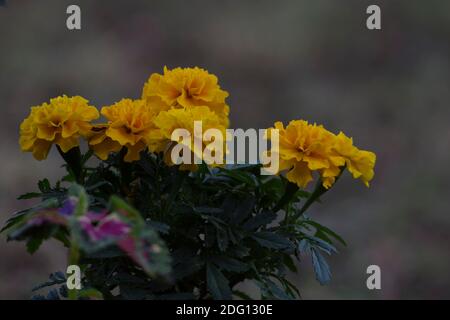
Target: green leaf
(53, 295)
(289, 192)
(218, 285)
(243, 209)
(322, 244)
(229, 264)
(273, 185)
(33, 244)
(159, 226)
(241, 295)
(272, 240)
(44, 185)
(260, 219)
(321, 268)
(85, 157)
(20, 216)
(74, 164)
(289, 263)
(276, 291)
(82, 206)
(54, 279)
(240, 251)
(241, 176)
(222, 239)
(302, 194)
(118, 204)
(29, 195)
(325, 230)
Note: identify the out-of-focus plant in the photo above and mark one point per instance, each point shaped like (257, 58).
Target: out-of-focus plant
(141, 227)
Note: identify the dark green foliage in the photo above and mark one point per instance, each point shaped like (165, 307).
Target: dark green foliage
(199, 233)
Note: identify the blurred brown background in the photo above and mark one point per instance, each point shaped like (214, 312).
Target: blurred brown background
(279, 60)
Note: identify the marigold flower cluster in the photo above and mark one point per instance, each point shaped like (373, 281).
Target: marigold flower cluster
(305, 148)
(175, 100)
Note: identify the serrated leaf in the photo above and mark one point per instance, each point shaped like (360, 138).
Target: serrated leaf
(322, 244)
(326, 230)
(321, 268)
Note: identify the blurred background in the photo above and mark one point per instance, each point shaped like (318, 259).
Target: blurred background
(279, 60)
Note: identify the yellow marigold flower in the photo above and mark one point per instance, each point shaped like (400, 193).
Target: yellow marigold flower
(186, 88)
(100, 143)
(62, 122)
(168, 121)
(130, 123)
(360, 163)
(304, 148)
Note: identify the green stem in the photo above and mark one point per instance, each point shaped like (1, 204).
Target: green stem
(73, 160)
(125, 172)
(319, 190)
(291, 189)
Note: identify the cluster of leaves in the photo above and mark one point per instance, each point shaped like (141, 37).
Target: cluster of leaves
(216, 226)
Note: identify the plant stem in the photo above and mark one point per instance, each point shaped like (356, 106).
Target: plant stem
(319, 190)
(291, 189)
(73, 160)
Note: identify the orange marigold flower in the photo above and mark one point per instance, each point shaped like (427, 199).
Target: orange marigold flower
(100, 143)
(305, 148)
(186, 88)
(130, 123)
(62, 121)
(169, 121)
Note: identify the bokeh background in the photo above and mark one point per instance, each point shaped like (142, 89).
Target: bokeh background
(279, 60)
